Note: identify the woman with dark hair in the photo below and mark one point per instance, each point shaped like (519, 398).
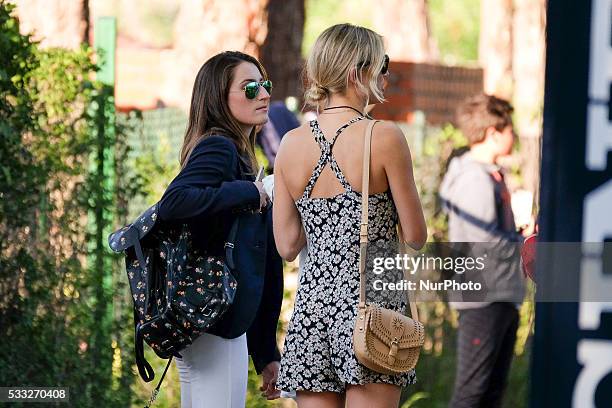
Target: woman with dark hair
(216, 184)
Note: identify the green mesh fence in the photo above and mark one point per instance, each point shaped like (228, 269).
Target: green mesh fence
(154, 139)
(151, 128)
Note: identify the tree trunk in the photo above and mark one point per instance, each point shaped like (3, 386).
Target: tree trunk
(281, 52)
(55, 23)
(528, 72)
(204, 28)
(495, 46)
(405, 26)
(86, 23)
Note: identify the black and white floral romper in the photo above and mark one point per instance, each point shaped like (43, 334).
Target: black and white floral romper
(318, 354)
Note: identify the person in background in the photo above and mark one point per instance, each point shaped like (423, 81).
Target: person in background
(282, 120)
(477, 201)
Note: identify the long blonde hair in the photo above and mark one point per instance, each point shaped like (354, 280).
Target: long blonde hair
(210, 113)
(338, 50)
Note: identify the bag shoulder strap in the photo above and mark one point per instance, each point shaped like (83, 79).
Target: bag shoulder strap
(363, 230)
(155, 392)
(363, 227)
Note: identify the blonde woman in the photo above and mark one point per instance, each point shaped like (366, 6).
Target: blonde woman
(317, 200)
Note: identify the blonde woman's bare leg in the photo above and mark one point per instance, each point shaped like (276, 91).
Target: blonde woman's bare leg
(308, 399)
(374, 395)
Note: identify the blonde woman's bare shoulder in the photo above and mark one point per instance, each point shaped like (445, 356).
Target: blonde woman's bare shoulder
(296, 133)
(295, 137)
(388, 136)
(293, 141)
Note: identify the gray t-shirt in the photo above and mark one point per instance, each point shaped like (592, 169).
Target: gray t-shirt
(477, 201)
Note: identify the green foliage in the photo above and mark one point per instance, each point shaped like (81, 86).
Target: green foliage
(55, 306)
(321, 14)
(435, 371)
(429, 171)
(455, 25)
(411, 402)
(18, 169)
(155, 169)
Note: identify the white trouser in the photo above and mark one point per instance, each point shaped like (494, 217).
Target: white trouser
(213, 372)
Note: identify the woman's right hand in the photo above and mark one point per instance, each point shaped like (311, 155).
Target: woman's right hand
(264, 199)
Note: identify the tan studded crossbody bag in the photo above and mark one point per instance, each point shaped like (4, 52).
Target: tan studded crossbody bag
(385, 341)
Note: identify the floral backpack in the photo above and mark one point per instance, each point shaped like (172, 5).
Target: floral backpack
(178, 293)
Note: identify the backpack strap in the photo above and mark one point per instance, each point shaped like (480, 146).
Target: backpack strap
(144, 368)
(230, 243)
(231, 237)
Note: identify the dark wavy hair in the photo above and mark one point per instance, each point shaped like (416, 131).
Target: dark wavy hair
(209, 112)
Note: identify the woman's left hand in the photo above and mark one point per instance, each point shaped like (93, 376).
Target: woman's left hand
(269, 376)
(268, 183)
(264, 200)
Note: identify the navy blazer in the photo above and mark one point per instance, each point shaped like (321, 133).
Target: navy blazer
(208, 194)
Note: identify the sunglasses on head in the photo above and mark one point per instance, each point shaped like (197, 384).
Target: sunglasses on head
(251, 89)
(385, 67)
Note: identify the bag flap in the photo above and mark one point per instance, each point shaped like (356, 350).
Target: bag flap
(125, 237)
(387, 325)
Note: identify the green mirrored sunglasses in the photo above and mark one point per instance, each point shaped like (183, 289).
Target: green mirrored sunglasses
(252, 88)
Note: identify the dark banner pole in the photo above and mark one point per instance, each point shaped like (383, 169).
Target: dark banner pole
(572, 360)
